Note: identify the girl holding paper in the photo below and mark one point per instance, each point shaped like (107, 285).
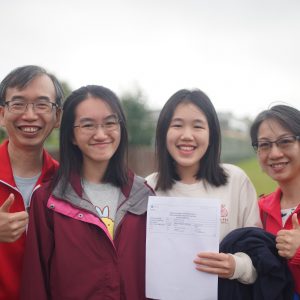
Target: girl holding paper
(188, 146)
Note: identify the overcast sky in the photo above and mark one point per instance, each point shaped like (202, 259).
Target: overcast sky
(244, 54)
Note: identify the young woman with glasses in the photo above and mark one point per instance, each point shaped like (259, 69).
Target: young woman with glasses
(87, 233)
(275, 135)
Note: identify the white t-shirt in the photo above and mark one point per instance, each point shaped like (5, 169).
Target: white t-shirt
(238, 197)
(239, 208)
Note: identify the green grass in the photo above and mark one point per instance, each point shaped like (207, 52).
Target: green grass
(263, 183)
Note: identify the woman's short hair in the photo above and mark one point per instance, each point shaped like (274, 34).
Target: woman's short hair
(287, 116)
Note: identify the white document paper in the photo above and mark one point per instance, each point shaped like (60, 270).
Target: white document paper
(177, 229)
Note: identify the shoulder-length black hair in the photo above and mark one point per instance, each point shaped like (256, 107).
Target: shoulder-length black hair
(287, 116)
(70, 155)
(210, 169)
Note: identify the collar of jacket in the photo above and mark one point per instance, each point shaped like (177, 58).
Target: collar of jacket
(7, 176)
(271, 205)
(133, 197)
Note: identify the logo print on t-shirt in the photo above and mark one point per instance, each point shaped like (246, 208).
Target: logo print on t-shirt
(104, 216)
(224, 214)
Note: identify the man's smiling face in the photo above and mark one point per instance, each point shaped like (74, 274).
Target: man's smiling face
(30, 129)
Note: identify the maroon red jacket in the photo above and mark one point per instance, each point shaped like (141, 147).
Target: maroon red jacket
(69, 253)
(11, 254)
(271, 218)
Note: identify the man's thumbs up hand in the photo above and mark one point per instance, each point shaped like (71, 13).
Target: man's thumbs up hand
(12, 225)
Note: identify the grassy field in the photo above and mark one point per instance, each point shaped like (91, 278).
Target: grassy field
(262, 183)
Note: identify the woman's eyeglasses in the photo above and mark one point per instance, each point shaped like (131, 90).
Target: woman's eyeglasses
(90, 127)
(283, 143)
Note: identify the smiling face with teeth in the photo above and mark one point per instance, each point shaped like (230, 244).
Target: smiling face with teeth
(29, 130)
(282, 166)
(188, 138)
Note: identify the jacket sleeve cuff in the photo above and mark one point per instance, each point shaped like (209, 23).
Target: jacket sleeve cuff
(244, 270)
(295, 260)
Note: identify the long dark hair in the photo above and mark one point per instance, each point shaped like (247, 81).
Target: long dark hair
(287, 116)
(210, 169)
(70, 155)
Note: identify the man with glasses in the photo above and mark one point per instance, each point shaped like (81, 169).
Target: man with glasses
(30, 101)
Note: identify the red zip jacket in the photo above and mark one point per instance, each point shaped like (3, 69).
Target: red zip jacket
(69, 252)
(271, 218)
(11, 254)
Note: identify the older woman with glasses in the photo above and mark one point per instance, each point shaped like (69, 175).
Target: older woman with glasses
(275, 135)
